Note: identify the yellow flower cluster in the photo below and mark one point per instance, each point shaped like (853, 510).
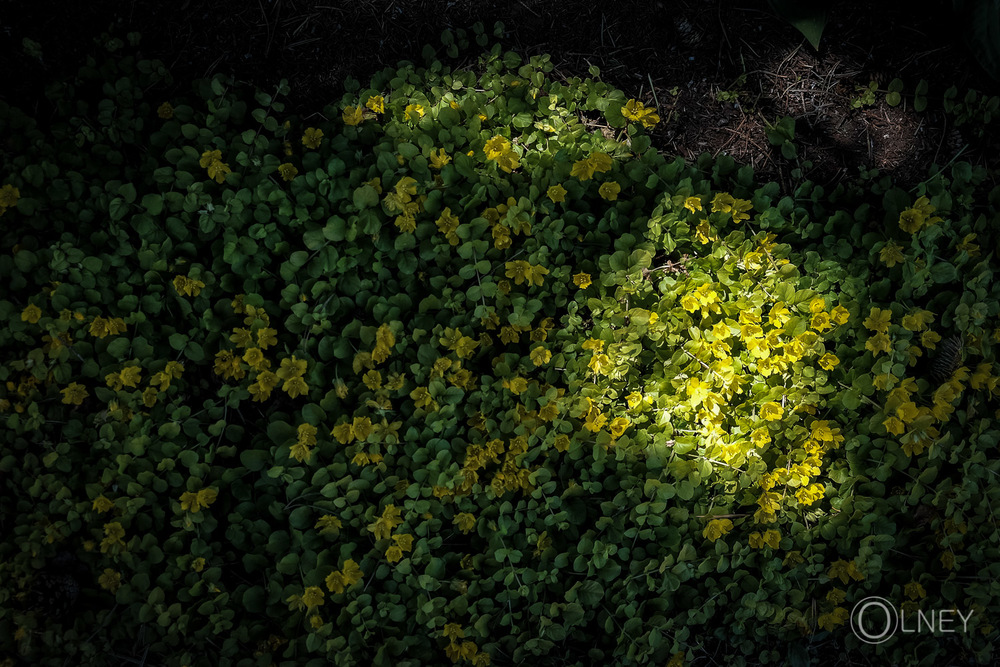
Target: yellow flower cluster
(595, 163)
(401, 201)
(503, 225)
(447, 224)
(522, 271)
(636, 111)
(845, 570)
(126, 377)
(500, 150)
(382, 527)
(211, 161)
(171, 371)
(186, 286)
(196, 501)
(466, 650)
(769, 538)
(113, 542)
(725, 203)
(339, 580)
(403, 544)
(102, 327)
(704, 297)
(302, 449)
(291, 373)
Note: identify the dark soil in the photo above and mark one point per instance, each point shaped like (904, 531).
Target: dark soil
(719, 72)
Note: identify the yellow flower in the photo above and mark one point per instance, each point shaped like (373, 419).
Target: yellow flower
(102, 504)
(130, 376)
(113, 534)
(582, 170)
(828, 361)
(328, 524)
(609, 190)
(771, 411)
(376, 103)
(556, 193)
(716, 528)
(287, 171)
(31, 314)
(722, 203)
(312, 597)
(582, 280)
(693, 204)
(208, 157)
(110, 580)
(930, 339)
(740, 208)
(413, 112)
(891, 254)
(878, 320)
(618, 426)
(968, 246)
(914, 590)
(704, 233)
(312, 137)
(362, 428)
(518, 270)
(74, 394)
(911, 220)
(808, 495)
(352, 572)
(831, 620)
(878, 343)
(840, 315)
(894, 426)
(845, 570)
(636, 111)
(917, 320)
(439, 158)
(465, 522)
(353, 115)
(165, 111)
(335, 582)
(821, 322)
(600, 364)
(540, 356)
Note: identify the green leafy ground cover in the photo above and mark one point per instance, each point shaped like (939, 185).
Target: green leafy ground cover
(442, 376)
